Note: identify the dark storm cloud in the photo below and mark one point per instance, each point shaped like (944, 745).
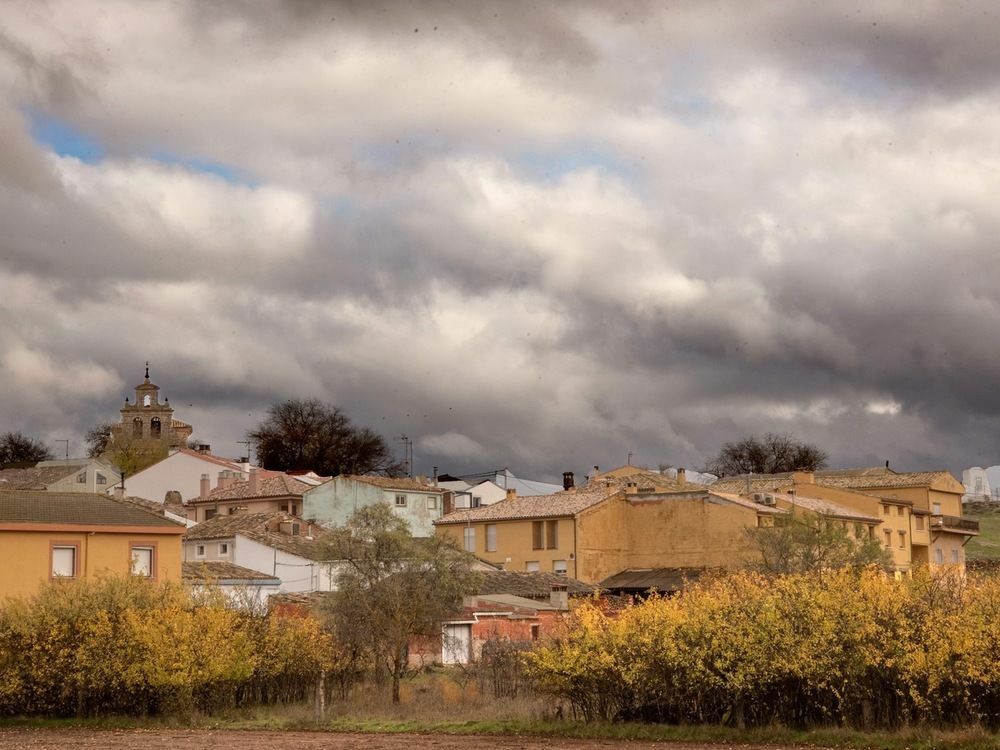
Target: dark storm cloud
(536, 235)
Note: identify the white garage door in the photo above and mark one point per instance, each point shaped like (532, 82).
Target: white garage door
(456, 644)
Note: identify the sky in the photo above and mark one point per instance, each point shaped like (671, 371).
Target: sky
(524, 234)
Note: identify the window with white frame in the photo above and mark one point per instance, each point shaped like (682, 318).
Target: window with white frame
(64, 560)
(559, 567)
(101, 479)
(400, 501)
(954, 555)
(199, 550)
(469, 539)
(938, 555)
(142, 561)
(937, 509)
(432, 502)
(477, 500)
(532, 566)
(223, 548)
(491, 537)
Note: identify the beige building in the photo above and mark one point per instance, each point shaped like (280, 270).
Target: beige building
(48, 536)
(920, 512)
(264, 492)
(149, 421)
(74, 475)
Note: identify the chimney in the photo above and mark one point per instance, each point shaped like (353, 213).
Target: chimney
(681, 476)
(435, 481)
(254, 482)
(631, 488)
(119, 493)
(205, 485)
(559, 596)
(511, 494)
(204, 448)
(447, 503)
(887, 464)
(568, 480)
(596, 474)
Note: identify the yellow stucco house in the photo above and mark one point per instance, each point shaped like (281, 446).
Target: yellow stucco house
(48, 536)
(920, 513)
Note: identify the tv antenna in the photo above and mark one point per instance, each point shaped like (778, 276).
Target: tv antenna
(407, 454)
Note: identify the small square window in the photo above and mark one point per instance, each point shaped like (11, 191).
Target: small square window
(477, 500)
(199, 550)
(101, 479)
(918, 521)
(559, 567)
(142, 561)
(64, 561)
(432, 502)
(886, 510)
(901, 511)
(532, 566)
(400, 501)
(223, 548)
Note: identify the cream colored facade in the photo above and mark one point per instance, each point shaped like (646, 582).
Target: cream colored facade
(26, 556)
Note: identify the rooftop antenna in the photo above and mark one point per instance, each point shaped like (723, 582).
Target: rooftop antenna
(67, 447)
(249, 445)
(407, 454)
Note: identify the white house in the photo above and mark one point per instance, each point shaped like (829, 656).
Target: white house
(977, 484)
(242, 587)
(283, 546)
(181, 472)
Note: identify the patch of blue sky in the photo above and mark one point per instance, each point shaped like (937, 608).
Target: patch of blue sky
(64, 139)
(550, 165)
(230, 174)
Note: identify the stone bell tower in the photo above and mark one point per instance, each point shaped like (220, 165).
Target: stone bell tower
(149, 420)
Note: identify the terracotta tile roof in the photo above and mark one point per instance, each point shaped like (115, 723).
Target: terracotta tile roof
(828, 507)
(36, 477)
(212, 459)
(640, 580)
(275, 485)
(860, 479)
(83, 508)
(394, 483)
(218, 571)
(566, 503)
(529, 585)
(767, 510)
(647, 481)
(757, 483)
(264, 529)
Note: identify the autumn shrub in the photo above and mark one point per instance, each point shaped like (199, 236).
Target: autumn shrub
(835, 648)
(128, 646)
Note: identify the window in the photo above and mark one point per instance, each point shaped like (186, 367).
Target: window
(954, 555)
(432, 502)
(101, 479)
(155, 429)
(477, 500)
(859, 531)
(142, 561)
(537, 535)
(559, 567)
(470, 539)
(137, 427)
(81, 478)
(400, 501)
(64, 560)
(885, 510)
(199, 550)
(938, 555)
(888, 537)
(937, 509)
(491, 537)
(902, 539)
(146, 400)
(296, 529)
(532, 566)
(210, 513)
(223, 548)
(534, 632)
(551, 534)
(919, 522)
(901, 511)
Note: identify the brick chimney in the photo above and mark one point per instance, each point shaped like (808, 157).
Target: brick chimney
(568, 482)
(596, 474)
(206, 484)
(631, 488)
(681, 477)
(511, 494)
(447, 503)
(254, 482)
(559, 596)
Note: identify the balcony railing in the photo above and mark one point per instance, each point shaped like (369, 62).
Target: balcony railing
(954, 523)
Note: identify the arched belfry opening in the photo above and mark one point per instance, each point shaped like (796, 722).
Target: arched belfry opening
(137, 427)
(154, 428)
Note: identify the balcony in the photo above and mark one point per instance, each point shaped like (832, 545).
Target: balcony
(955, 524)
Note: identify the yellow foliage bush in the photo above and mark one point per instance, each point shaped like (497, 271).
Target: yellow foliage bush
(128, 646)
(839, 647)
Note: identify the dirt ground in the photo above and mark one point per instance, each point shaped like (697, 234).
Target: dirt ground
(190, 739)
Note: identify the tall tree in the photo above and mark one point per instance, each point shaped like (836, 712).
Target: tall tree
(130, 454)
(771, 454)
(308, 434)
(16, 447)
(392, 587)
(98, 438)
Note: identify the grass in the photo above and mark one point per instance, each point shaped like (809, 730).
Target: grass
(987, 544)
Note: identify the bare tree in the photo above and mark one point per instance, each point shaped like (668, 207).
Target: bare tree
(16, 447)
(313, 435)
(807, 543)
(392, 587)
(771, 454)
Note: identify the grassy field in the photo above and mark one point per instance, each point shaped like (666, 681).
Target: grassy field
(987, 545)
